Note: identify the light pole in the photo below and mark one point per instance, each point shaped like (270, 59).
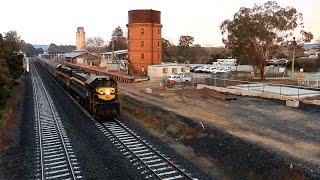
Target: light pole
(293, 54)
(112, 47)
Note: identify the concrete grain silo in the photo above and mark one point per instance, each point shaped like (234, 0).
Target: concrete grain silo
(80, 37)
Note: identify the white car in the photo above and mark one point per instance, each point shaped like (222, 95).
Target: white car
(212, 70)
(172, 77)
(199, 69)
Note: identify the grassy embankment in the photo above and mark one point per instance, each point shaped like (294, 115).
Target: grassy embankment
(8, 113)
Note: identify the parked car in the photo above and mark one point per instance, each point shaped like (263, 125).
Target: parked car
(199, 69)
(212, 70)
(182, 77)
(193, 68)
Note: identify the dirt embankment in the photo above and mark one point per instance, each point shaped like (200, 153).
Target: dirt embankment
(214, 150)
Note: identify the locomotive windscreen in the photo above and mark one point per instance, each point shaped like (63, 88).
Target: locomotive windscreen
(102, 82)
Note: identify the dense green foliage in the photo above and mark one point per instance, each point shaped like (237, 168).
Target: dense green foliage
(119, 41)
(31, 51)
(53, 48)
(10, 62)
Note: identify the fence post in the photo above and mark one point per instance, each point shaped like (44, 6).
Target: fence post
(215, 79)
(280, 88)
(298, 91)
(262, 87)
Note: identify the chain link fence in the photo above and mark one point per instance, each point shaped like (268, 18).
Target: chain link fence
(227, 80)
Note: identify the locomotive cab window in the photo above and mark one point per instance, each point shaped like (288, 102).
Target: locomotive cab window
(101, 82)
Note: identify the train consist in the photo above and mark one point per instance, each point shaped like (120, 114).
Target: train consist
(98, 94)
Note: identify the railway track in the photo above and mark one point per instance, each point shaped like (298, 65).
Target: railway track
(148, 160)
(55, 155)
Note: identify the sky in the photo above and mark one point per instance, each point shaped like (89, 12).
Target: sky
(44, 22)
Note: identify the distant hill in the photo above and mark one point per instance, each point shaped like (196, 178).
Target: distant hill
(44, 47)
(309, 46)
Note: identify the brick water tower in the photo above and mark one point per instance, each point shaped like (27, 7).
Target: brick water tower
(144, 40)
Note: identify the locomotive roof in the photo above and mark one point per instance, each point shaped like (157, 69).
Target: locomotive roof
(92, 78)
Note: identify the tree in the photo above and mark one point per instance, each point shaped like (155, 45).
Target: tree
(11, 43)
(254, 33)
(10, 62)
(184, 48)
(53, 48)
(30, 50)
(120, 42)
(96, 43)
(165, 54)
(11, 46)
(186, 41)
(5, 81)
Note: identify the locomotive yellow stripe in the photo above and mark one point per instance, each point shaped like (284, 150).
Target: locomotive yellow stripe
(77, 80)
(63, 74)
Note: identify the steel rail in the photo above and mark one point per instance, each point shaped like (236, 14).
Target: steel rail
(55, 121)
(181, 172)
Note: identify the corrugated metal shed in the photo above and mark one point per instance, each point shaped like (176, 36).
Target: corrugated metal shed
(74, 54)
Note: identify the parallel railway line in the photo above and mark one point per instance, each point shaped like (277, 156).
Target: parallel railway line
(150, 162)
(56, 159)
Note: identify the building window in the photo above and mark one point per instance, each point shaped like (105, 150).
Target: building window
(142, 31)
(165, 70)
(142, 55)
(174, 70)
(158, 32)
(142, 44)
(158, 44)
(183, 69)
(158, 56)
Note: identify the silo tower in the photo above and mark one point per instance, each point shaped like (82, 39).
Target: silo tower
(81, 36)
(144, 40)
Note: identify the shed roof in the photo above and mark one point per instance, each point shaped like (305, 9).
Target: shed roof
(124, 51)
(167, 65)
(78, 53)
(74, 54)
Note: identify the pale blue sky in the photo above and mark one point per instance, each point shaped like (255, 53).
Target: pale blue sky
(43, 22)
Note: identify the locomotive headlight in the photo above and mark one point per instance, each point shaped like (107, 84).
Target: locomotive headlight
(108, 92)
(101, 92)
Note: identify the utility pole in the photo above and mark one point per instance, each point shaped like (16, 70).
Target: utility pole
(113, 46)
(293, 54)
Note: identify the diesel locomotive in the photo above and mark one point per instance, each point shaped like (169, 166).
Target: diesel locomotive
(97, 94)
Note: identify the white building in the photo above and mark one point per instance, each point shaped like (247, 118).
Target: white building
(157, 72)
